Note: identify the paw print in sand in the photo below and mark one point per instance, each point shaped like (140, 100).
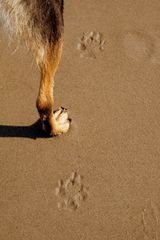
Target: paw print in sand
(71, 192)
(90, 44)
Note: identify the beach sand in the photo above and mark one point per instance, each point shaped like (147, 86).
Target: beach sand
(101, 180)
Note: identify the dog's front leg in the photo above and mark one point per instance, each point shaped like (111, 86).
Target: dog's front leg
(57, 122)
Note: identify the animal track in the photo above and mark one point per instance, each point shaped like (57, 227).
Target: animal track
(142, 46)
(150, 221)
(147, 224)
(71, 192)
(138, 45)
(90, 43)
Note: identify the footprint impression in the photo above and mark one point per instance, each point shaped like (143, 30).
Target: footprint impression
(71, 192)
(142, 46)
(138, 46)
(90, 44)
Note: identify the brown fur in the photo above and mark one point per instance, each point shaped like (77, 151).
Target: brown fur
(40, 24)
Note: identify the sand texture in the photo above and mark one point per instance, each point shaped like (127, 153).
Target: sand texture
(101, 180)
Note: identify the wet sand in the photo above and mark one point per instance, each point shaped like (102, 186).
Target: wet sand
(100, 181)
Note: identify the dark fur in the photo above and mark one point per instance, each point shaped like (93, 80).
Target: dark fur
(40, 24)
(48, 19)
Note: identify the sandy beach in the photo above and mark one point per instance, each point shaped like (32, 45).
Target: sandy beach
(101, 180)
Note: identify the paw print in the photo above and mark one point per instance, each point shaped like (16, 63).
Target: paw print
(71, 192)
(90, 43)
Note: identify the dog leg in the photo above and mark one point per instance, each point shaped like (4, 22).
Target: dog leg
(57, 122)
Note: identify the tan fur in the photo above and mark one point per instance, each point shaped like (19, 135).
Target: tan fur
(45, 99)
(40, 24)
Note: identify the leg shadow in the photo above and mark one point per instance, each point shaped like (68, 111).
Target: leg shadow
(33, 131)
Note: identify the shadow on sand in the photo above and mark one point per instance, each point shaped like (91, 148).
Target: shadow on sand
(33, 131)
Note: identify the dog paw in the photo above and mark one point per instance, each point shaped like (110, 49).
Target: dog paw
(57, 124)
(62, 121)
